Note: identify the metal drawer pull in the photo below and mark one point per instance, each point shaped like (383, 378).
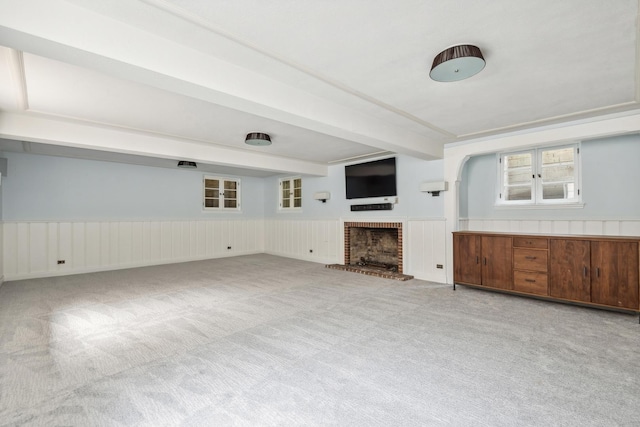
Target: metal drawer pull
(530, 257)
(530, 280)
(585, 271)
(598, 271)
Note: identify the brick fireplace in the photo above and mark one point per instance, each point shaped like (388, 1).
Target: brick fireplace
(373, 248)
(377, 241)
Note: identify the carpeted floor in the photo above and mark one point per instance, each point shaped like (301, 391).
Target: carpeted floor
(262, 340)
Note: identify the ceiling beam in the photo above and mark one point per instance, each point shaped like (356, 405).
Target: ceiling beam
(47, 130)
(76, 35)
(16, 67)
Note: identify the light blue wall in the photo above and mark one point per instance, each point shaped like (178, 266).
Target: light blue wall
(611, 177)
(57, 188)
(411, 202)
(610, 184)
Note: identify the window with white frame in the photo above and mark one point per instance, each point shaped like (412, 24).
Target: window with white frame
(221, 193)
(540, 176)
(290, 193)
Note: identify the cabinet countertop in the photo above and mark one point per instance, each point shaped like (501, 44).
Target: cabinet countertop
(551, 236)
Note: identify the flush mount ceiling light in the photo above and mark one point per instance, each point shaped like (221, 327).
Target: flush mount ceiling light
(457, 63)
(258, 138)
(187, 165)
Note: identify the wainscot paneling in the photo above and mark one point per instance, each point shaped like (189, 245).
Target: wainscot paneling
(34, 249)
(322, 240)
(609, 227)
(425, 249)
(311, 240)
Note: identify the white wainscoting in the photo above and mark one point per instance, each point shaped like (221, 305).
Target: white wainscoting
(425, 249)
(33, 248)
(424, 243)
(311, 240)
(590, 227)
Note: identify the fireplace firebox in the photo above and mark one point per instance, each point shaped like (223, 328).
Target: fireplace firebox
(373, 248)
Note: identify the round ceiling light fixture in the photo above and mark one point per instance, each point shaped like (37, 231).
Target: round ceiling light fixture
(457, 63)
(187, 165)
(258, 139)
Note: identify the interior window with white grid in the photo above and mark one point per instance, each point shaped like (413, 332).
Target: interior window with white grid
(542, 176)
(290, 193)
(221, 193)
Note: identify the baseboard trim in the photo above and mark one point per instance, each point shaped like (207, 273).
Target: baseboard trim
(44, 274)
(435, 277)
(429, 276)
(318, 260)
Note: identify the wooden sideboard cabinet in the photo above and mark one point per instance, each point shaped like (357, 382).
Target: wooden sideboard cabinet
(595, 271)
(531, 265)
(483, 260)
(599, 271)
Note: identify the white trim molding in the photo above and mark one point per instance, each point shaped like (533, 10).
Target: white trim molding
(595, 227)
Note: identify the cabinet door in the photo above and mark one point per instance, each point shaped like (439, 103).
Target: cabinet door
(569, 269)
(497, 262)
(466, 259)
(614, 273)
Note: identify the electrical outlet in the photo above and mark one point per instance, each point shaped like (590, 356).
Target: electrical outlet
(439, 266)
(61, 261)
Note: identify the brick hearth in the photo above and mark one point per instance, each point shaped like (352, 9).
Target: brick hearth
(366, 269)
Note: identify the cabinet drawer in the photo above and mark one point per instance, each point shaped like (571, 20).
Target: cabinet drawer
(530, 242)
(530, 259)
(530, 282)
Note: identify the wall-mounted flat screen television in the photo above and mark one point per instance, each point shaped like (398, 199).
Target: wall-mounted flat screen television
(371, 179)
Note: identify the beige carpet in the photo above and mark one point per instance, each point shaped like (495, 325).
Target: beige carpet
(262, 340)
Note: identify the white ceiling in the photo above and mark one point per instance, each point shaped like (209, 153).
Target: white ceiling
(150, 81)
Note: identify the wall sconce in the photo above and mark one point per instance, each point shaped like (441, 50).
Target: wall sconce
(323, 196)
(434, 187)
